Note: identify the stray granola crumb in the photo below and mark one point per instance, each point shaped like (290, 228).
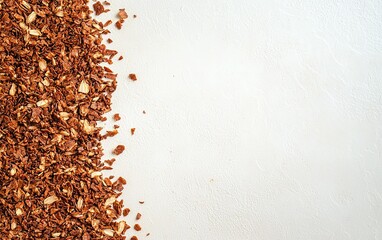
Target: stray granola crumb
(137, 227)
(133, 77)
(119, 150)
(122, 14)
(138, 216)
(132, 131)
(120, 58)
(109, 40)
(134, 238)
(116, 117)
(110, 162)
(119, 23)
(126, 212)
(98, 8)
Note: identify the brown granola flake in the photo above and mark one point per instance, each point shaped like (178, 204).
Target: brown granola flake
(134, 238)
(126, 212)
(122, 14)
(119, 150)
(119, 23)
(116, 117)
(98, 8)
(137, 227)
(132, 131)
(138, 216)
(133, 77)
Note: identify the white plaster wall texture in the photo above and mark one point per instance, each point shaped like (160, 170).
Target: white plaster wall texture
(263, 118)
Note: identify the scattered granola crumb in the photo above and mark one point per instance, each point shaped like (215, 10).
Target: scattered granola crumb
(107, 23)
(110, 162)
(119, 150)
(116, 126)
(144, 112)
(141, 202)
(126, 212)
(137, 227)
(106, 3)
(116, 117)
(119, 23)
(138, 216)
(148, 234)
(132, 131)
(120, 58)
(134, 16)
(134, 238)
(122, 14)
(133, 77)
(110, 134)
(98, 8)
(109, 40)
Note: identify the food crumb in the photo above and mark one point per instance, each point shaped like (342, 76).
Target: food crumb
(132, 131)
(119, 150)
(119, 23)
(110, 162)
(137, 227)
(122, 14)
(134, 16)
(133, 77)
(126, 212)
(116, 117)
(120, 58)
(98, 8)
(138, 216)
(134, 238)
(109, 40)
(141, 202)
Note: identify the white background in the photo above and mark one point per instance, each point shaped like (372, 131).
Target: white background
(264, 118)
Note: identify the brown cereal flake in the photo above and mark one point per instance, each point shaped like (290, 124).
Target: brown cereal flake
(137, 227)
(122, 14)
(133, 77)
(116, 117)
(98, 8)
(119, 150)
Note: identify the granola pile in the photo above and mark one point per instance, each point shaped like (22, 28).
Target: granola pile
(53, 90)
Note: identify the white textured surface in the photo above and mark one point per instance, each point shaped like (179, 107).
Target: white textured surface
(264, 118)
